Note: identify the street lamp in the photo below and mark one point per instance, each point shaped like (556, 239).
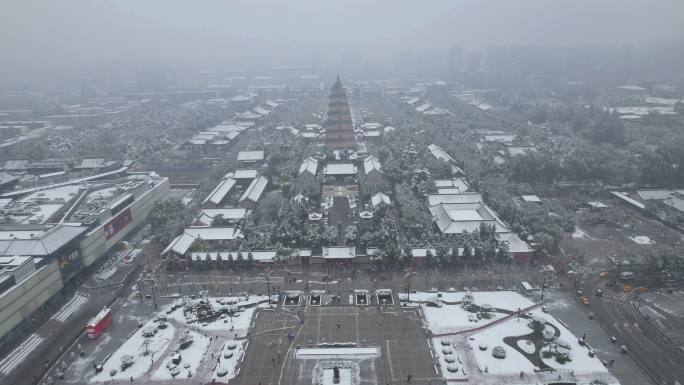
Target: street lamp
(407, 277)
(268, 285)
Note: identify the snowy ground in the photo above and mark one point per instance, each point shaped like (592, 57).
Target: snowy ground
(453, 318)
(469, 353)
(191, 358)
(135, 346)
(515, 362)
(238, 325)
(196, 359)
(229, 360)
(449, 357)
(490, 337)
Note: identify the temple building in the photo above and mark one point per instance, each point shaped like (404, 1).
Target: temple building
(339, 129)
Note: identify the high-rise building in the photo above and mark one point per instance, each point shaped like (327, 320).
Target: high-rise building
(339, 129)
(455, 60)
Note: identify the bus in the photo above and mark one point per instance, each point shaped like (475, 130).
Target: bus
(99, 323)
(526, 288)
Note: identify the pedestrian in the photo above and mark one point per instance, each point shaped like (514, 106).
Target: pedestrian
(408, 378)
(522, 374)
(338, 324)
(611, 362)
(273, 361)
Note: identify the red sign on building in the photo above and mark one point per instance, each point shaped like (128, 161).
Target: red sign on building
(118, 222)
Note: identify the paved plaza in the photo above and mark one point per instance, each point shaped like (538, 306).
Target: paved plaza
(402, 344)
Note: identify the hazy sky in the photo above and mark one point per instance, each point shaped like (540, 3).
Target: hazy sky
(46, 35)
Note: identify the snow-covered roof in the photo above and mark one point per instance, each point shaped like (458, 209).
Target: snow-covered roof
(623, 196)
(388, 129)
(456, 218)
(531, 198)
(214, 233)
(250, 156)
(504, 138)
(340, 169)
(261, 111)
(370, 164)
(469, 197)
(676, 203)
(655, 194)
(271, 103)
(220, 191)
(413, 101)
(255, 189)
(89, 163)
(44, 243)
(379, 199)
(245, 174)
(515, 244)
(372, 134)
(423, 107)
(309, 165)
(339, 252)
(207, 216)
(16, 164)
(440, 154)
(520, 150)
(459, 184)
(248, 115)
(597, 204)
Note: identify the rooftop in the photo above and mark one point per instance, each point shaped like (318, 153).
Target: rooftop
(250, 156)
(370, 164)
(220, 191)
(255, 189)
(340, 169)
(309, 165)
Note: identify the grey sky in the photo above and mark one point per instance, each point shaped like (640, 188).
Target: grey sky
(58, 35)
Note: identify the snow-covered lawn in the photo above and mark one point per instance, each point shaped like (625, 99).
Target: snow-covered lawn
(230, 358)
(514, 362)
(238, 324)
(453, 318)
(581, 362)
(191, 358)
(135, 347)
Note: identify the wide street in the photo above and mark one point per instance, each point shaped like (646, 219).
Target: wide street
(650, 349)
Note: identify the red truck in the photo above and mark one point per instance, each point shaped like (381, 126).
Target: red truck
(99, 323)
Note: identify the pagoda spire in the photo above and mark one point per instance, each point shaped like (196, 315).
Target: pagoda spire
(339, 128)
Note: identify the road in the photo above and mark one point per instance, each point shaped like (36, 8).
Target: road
(647, 346)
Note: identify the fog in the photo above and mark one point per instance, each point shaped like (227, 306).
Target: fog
(45, 39)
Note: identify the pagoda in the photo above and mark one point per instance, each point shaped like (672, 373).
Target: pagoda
(339, 129)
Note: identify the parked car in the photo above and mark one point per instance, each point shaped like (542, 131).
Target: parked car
(604, 274)
(584, 300)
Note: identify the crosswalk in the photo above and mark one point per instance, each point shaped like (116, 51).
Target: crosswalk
(17, 356)
(70, 307)
(614, 291)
